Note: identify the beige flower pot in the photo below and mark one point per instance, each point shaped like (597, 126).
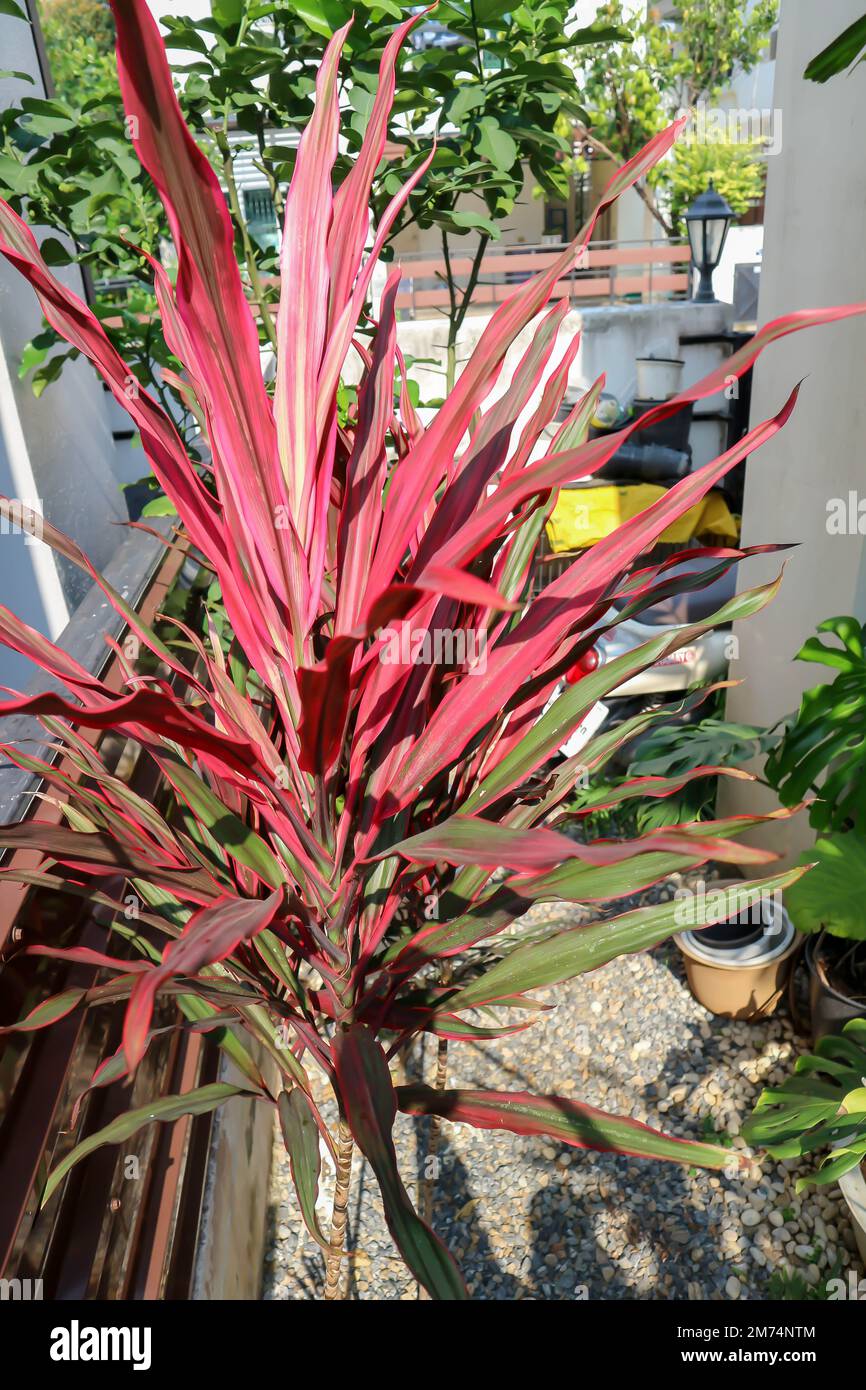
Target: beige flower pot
(738, 991)
(741, 984)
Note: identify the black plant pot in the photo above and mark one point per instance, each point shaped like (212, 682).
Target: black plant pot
(831, 1008)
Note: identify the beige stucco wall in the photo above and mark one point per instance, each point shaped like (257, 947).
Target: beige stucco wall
(814, 255)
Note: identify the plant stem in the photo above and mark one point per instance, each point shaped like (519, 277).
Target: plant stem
(457, 312)
(429, 1179)
(339, 1213)
(439, 1084)
(451, 346)
(222, 141)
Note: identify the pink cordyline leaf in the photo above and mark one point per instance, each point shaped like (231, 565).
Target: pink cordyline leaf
(557, 1117)
(209, 936)
(324, 777)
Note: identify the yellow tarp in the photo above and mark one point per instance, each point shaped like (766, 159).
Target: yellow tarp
(583, 516)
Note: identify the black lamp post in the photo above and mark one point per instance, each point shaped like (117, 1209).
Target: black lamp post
(707, 220)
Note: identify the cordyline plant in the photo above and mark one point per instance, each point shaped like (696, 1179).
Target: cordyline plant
(339, 763)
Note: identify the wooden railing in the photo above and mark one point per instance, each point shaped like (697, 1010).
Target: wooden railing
(102, 1235)
(608, 272)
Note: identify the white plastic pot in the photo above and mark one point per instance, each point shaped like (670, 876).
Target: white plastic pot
(658, 378)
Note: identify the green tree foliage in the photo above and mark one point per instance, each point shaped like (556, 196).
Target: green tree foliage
(79, 36)
(492, 86)
(734, 169)
(632, 90)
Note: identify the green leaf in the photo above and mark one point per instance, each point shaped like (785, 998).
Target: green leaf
(495, 144)
(467, 97)
(823, 1103)
(837, 56)
(557, 1117)
(301, 1138)
(472, 221)
(197, 1010)
(599, 33)
(46, 1013)
(160, 506)
(564, 714)
(370, 1104)
(31, 357)
(573, 952)
(54, 252)
(228, 12)
(324, 17)
(237, 839)
(488, 11)
(832, 895)
(165, 1111)
(16, 178)
(11, 8)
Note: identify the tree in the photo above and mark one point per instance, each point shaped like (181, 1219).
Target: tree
(633, 90)
(505, 100)
(491, 85)
(735, 170)
(79, 35)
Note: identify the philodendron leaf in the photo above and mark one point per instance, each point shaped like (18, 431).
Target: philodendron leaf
(166, 1111)
(301, 1138)
(556, 1117)
(835, 1166)
(833, 894)
(370, 1104)
(823, 1104)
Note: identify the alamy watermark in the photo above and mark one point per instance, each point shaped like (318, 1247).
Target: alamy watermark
(21, 1290)
(22, 515)
(77, 1343)
(846, 516)
(438, 646)
(734, 125)
(705, 907)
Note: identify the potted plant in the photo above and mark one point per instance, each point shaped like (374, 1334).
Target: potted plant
(828, 905)
(737, 967)
(823, 1105)
(823, 753)
(348, 771)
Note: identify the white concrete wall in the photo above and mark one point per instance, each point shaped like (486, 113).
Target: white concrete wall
(743, 246)
(59, 448)
(814, 255)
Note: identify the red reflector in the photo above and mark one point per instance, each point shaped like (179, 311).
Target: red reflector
(582, 667)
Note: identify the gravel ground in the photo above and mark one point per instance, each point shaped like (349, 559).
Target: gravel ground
(530, 1218)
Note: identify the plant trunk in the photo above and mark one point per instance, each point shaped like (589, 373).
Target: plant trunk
(428, 1182)
(440, 1084)
(339, 1214)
